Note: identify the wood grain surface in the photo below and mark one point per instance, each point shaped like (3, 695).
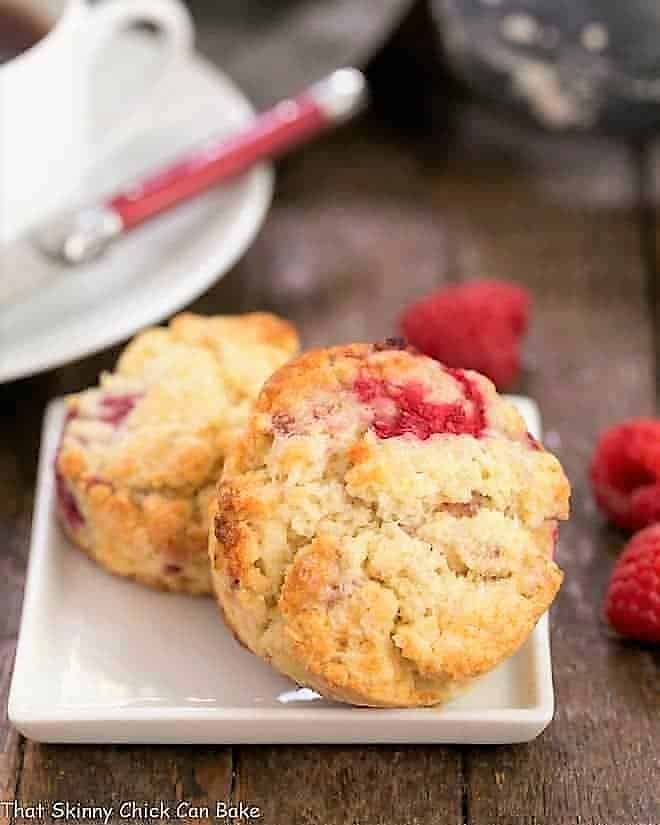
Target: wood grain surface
(362, 222)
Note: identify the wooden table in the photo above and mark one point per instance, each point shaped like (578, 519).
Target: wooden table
(363, 221)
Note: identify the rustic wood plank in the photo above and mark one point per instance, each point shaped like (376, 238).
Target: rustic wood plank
(365, 785)
(350, 238)
(649, 164)
(110, 775)
(559, 217)
(10, 741)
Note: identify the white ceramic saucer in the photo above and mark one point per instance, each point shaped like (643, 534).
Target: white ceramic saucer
(168, 262)
(101, 659)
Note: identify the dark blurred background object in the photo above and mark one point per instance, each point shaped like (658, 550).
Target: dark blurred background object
(273, 47)
(567, 65)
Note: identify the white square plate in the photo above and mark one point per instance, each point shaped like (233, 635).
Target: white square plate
(100, 659)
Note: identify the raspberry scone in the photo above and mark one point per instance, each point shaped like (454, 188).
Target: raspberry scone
(385, 527)
(141, 453)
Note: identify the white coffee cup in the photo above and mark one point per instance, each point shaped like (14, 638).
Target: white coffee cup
(46, 94)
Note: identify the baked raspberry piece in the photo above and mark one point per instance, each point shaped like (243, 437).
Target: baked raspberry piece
(625, 473)
(632, 603)
(100, 408)
(404, 408)
(478, 325)
(67, 506)
(115, 408)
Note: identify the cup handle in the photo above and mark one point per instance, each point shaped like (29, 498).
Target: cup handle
(109, 19)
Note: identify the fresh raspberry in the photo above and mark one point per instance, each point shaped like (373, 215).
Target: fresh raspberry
(625, 473)
(632, 603)
(478, 325)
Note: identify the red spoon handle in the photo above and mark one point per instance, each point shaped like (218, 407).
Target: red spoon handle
(270, 134)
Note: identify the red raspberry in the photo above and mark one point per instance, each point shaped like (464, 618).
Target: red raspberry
(477, 325)
(625, 473)
(632, 603)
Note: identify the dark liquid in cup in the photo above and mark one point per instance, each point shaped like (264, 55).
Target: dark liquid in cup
(19, 30)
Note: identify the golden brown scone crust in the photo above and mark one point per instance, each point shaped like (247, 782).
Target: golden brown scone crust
(141, 453)
(371, 555)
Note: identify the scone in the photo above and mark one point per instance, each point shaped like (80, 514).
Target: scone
(141, 453)
(385, 528)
